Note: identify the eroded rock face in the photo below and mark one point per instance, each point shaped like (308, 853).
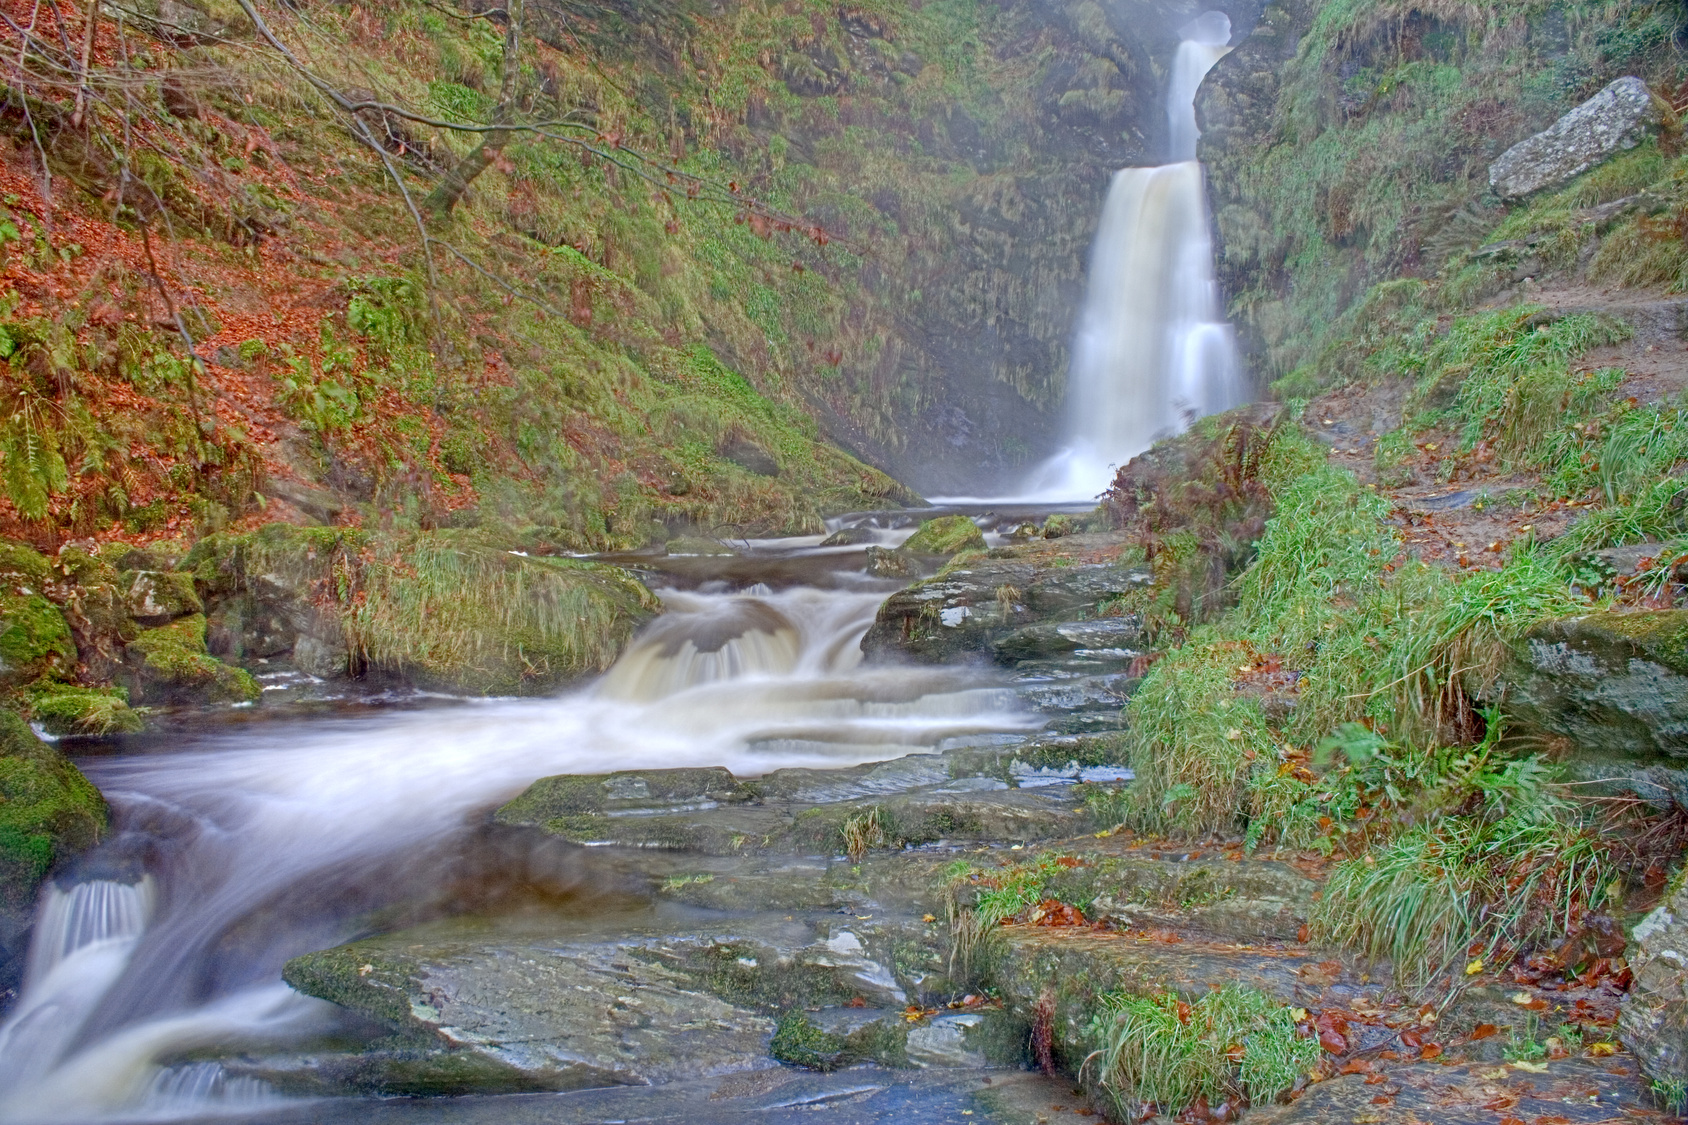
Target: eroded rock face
(1615, 119)
(960, 613)
(1653, 1021)
(1615, 685)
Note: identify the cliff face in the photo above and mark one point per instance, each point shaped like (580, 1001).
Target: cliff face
(1349, 144)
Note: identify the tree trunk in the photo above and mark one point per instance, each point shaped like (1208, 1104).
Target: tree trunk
(444, 197)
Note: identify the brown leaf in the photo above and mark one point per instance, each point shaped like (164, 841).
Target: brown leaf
(1430, 1051)
(1303, 933)
(1483, 1031)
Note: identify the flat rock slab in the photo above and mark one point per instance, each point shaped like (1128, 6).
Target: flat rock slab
(564, 1016)
(859, 1096)
(1615, 119)
(1570, 1092)
(959, 614)
(1616, 686)
(971, 796)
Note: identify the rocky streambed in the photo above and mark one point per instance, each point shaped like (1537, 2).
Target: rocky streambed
(822, 841)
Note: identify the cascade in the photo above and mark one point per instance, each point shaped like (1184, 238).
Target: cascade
(269, 833)
(1152, 351)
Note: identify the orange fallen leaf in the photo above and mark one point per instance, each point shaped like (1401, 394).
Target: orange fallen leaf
(1483, 1031)
(1430, 1051)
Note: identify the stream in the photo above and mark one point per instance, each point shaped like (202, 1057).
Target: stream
(237, 846)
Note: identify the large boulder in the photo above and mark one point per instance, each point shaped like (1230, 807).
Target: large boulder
(959, 613)
(170, 664)
(1617, 118)
(1613, 687)
(1653, 1021)
(48, 811)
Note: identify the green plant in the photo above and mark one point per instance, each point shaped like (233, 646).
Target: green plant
(1517, 871)
(862, 832)
(1232, 1042)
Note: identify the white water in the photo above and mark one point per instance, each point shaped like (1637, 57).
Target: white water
(1152, 352)
(125, 975)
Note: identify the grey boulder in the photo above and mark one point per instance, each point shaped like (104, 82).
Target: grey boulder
(1615, 119)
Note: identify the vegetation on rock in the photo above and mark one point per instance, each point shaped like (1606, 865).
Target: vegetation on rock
(48, 811)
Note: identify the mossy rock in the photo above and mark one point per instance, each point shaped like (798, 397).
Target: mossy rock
(77, 709)
(23, 566)
(636, 790)
(48, 811)
(35, 640)
(157, 596)
(945, 536)
(698, 545)
(172, 665)
(799, 1042)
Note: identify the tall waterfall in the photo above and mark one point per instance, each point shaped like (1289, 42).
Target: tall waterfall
(1152, 352)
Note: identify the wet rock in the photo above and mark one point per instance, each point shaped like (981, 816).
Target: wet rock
(886, 562)
(566, 1016)
(392, 1072)
(1653, 1021)
(945, 536)
(949, 1039)
(959, 613)
(1613, 685)
(154, 597)
(851, 537)
(35, 639)
(170, 664)
(698, 545)
(1120, 636)
(1617, 118)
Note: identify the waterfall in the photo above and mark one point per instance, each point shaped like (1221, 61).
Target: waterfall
(1152, 351)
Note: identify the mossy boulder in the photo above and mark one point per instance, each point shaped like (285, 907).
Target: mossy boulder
(1653, 1021)
(170, 664)
(1612, 688)
(48, 812)
(945, 536)
(157, 596)
(35, 639)
(78, 709)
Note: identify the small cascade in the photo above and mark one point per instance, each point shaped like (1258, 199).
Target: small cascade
(733, 639)
(1152, 352)
(83, 941)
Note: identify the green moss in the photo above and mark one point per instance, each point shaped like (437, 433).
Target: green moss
(364, 978)
(48, 811)
(75, 709)
(799, 1042)
(35, 640)
(173, 664)
(23, 566)
(947, 535)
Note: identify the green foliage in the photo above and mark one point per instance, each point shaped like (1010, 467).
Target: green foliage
(1232, 1042)
(35, 640)
(1518, 871)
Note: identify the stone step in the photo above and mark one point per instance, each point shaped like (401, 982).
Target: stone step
(774, 1095)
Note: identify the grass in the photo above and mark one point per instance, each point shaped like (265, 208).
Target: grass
(1494, 859)
(862, 832)
(1234, 1042)
(456, 608)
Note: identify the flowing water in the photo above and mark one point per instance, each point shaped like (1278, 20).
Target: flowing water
(242, 849)
(1152, 351)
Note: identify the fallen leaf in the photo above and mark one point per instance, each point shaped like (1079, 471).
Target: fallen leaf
(1474, 968)
(1357, 1066)
(1602, 1050)
(1303, 934)
(1382, 1099)
(928, 917)
(1430, 1051)
(1532, 1067)
(1483, 1031)
(1521, 998)
(1413, 1039)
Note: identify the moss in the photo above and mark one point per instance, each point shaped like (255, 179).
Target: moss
(23, 566)
(35, 640)
(947, 535)
(75, 709)
(174, 665)
(48, 811)
(799, 1042)
(363, 978)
